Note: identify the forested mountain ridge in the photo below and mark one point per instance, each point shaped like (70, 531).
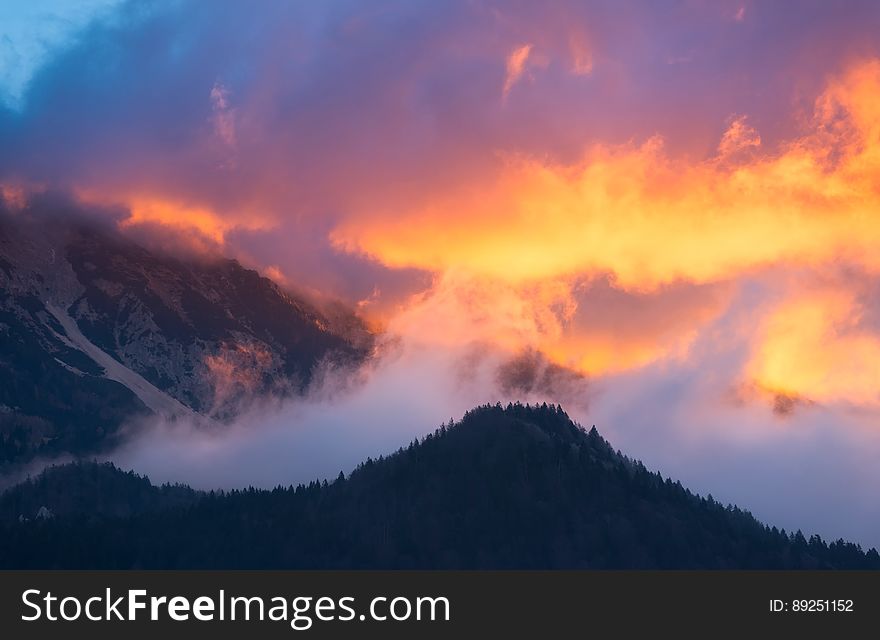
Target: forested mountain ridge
(506, 487)
(89, 490)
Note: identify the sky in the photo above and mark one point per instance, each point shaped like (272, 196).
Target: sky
(677, 202)
(32, 30)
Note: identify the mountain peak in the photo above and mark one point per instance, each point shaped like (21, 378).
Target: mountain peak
(101, 330)
(506, 487)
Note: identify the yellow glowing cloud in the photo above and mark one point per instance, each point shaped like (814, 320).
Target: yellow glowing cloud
(594, 329)
(595, 348)
(813, 346)
(650, 219)
(598, 354)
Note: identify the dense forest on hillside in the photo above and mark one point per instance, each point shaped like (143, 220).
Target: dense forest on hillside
(506, 487)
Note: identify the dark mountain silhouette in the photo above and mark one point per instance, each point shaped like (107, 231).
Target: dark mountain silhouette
(97, 330)
(91, 490)
(514, 487)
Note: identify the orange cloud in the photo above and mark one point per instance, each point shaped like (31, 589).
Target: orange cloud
(177, 215)
(172, 214)
(274, 272)
(510, 249)
(460, 309)
(13, 195)
(739, 136)
(516, 64)
(814, 346)
(650, 219)
(614, 330)
(591, 328)
(509, 252)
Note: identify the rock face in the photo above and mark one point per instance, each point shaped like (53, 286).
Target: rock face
(95, 330)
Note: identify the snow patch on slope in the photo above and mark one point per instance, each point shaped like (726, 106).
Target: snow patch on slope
(155, 399)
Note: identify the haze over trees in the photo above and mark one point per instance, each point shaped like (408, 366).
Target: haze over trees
(506, 487)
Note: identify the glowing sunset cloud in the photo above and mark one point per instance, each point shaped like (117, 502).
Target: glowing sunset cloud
(739, 136)
(609, 331)
(815, 346)
(186, 217)
(516, 64)
(173, 215)
(650, 219)
(594, 183)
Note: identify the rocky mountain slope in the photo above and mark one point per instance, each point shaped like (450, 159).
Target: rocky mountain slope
(96, 330)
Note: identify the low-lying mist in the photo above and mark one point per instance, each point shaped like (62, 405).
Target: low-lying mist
(811, 469)
(403, 394)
